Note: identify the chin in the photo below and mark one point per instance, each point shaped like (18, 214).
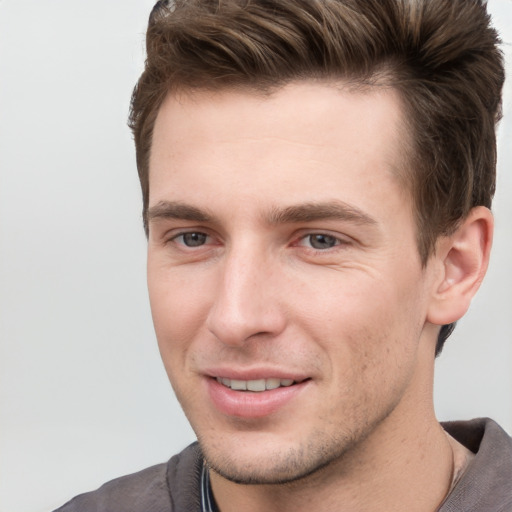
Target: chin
(281, 465)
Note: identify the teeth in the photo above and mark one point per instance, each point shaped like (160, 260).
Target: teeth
(272, 383)
(254, 385)
(239, 385)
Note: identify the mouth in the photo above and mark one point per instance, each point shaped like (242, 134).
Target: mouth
(256, 385)
(254, 398)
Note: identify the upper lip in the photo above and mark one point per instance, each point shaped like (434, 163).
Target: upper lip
(254, 373)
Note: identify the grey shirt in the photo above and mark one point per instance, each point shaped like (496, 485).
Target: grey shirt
(485, 486)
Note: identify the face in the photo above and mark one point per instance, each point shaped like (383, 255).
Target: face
(287, 292)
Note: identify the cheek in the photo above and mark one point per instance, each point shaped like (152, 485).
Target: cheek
(369, 327)
(178, 306)
(386, 346)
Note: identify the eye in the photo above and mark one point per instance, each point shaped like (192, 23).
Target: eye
(192, 239)
(320, 241)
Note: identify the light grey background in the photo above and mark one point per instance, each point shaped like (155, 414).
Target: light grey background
(83, 394)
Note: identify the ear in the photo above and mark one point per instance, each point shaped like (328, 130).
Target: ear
(462, 259)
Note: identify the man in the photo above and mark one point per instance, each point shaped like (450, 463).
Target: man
(316, 178)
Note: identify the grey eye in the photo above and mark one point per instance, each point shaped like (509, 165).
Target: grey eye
(194, 239)
(319, 241)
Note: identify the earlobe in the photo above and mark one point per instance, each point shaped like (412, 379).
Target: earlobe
(463, 258)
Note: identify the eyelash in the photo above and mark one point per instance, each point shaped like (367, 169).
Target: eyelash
(320, 235)
(183, 234)
(302, 241)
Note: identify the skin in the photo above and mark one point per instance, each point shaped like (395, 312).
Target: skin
(281, 242)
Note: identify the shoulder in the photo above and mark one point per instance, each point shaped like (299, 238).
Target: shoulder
(486, 486)
(168, 487)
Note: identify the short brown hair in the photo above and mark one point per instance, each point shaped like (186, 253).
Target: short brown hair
(441, 56)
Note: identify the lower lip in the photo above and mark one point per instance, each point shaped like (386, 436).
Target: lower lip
(247, 404)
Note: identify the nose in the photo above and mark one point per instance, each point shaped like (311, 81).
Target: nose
(246, 304)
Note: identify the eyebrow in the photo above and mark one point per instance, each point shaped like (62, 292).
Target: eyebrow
(310, 212)
(177, 210)
(307, 212)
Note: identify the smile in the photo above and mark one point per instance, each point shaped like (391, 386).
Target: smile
(257, 385)
(254, 398)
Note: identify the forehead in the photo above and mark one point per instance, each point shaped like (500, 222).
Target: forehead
(293, 140)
